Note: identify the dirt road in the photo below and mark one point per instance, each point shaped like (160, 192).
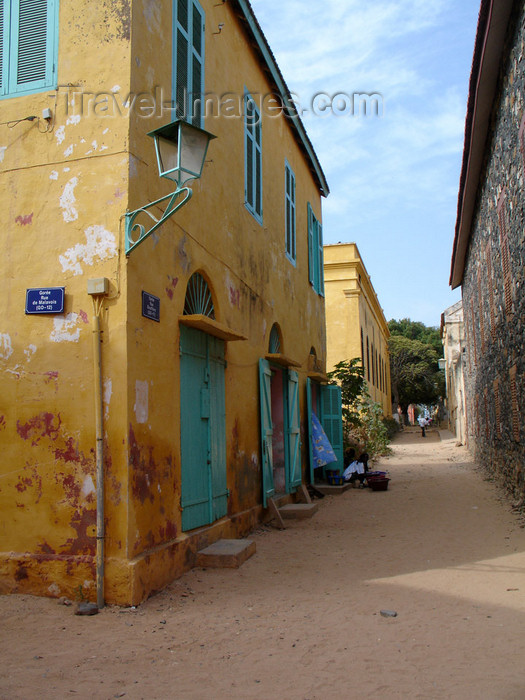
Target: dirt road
(301, 620)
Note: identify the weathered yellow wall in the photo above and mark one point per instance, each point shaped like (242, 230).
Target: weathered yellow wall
(351, 306)
(253, 284)
(63, 194)
(64, 186)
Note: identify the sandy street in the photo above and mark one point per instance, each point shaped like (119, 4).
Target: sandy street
(301, 620)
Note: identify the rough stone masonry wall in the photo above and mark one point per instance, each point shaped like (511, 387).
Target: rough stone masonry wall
(495, 311)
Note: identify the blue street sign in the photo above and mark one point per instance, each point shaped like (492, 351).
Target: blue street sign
(45, 300)
(151, 306)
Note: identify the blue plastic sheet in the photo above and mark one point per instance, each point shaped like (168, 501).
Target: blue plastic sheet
(322, 449)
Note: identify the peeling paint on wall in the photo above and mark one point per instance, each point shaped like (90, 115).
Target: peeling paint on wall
(60, 134)
(107, 392)
(235, 297)
(53, 175)
(88, 487)
(184, 258)
(65, 329)
(67, 200)
(141, 401)
(30, 351)
(100, 244)
(42, 425)
(6, 349)
(3, 149)
(152, 15)
(173, 281)
(24, 220)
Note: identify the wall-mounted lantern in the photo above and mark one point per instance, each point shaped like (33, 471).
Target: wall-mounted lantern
(181, 151)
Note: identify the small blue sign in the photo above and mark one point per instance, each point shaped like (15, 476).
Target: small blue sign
(45, 300)
(151, 306)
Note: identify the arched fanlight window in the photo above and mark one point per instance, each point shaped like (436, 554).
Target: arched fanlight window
(275, 340)
(313, 364)
(198, 297)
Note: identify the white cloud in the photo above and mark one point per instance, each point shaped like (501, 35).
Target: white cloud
(392, 179)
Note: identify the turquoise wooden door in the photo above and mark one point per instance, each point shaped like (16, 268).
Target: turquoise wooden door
(329, 411)
(203, 429)
(294, 432)
(332, 421)
(265, 396)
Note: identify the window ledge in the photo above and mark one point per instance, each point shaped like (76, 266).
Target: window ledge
(280, 359)
(210, 326)
(319, 377)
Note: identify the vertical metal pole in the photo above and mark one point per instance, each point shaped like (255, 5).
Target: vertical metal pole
(97, 340)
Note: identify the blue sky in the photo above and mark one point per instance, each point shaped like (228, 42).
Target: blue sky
(394, 179)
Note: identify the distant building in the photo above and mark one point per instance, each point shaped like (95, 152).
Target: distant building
(488, 258)
(355, 322)
(453, 337)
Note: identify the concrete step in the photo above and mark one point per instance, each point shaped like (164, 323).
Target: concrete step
(330, 490)
(298, 511)
(225, 554)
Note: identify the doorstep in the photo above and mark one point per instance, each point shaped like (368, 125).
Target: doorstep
(225, 554)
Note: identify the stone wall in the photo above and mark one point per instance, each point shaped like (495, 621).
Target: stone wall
(493, 285)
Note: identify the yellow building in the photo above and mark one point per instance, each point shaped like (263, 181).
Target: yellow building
(355, 322)
(117, 469)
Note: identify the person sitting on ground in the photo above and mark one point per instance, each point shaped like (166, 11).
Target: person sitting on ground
(355, 470)
(363, 458)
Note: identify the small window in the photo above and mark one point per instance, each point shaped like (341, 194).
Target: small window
(253, 158)
(274, 346)
(289, 212)
(188, 61)
(28, 46)
(315, 252)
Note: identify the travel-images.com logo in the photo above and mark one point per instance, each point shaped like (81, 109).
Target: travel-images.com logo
(79, 102)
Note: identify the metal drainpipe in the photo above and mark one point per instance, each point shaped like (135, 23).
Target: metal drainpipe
(98, 299)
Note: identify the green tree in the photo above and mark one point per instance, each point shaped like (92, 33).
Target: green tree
(349, 374)
(415, 330)
(363, 426)
(414, 372)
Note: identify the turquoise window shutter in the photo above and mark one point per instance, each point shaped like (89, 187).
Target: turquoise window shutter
(29, 43)
(311, 271)
(309, 426)
(315, 252)
(290, 212)
(188, 68)
(266, 425)
(253, 157)
(294, 430)
(197, 70)
(320, 287)
(4, 8)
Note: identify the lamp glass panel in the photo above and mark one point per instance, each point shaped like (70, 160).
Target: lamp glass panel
(168, 157)
(193, 146)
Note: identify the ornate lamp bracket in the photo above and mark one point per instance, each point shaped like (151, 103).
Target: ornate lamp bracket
(137, 232)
